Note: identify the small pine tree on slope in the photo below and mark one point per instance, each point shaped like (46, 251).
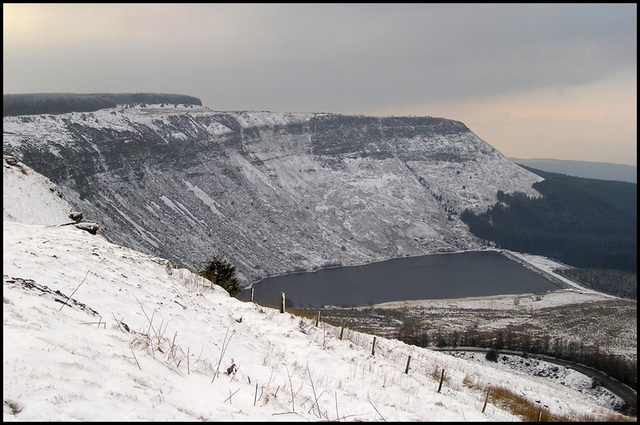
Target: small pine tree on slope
(222, 273)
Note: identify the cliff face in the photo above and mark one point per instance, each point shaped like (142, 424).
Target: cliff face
(271, 192)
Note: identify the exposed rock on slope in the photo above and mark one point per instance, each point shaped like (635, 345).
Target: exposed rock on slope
(271, 192)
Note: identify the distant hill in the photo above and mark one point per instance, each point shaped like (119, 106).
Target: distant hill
(591, 170)
(586, 223)
(60, 103)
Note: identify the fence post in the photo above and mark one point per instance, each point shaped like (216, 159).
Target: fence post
(486, 400)
(406, 369)
(252, 289)
(281, 302)
(373, 347)
(441, 380)
(255, 396)
(318, 319)
(342, 331)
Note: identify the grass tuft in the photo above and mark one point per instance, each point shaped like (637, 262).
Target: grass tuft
(14, 406)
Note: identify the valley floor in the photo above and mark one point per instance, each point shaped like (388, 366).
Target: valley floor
(564, 318)
(571, 313)
(564, 314)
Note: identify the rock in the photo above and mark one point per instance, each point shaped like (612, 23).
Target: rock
(75, 216)
(9, 159)
(163, 262)
(89, 227)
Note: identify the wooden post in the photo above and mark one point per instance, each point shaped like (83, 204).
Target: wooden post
(540, 416)
(281, 302)
(441, 380)
(342, 331)
(318, 319)
(406, 369)
(486, 400)
(252, 289)
(373, 347)
(255, 396)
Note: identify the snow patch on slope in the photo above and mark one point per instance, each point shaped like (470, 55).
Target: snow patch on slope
(210, 202)
(270, 119)
(31, 198)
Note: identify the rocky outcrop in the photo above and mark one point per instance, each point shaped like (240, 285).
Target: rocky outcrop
(271, 192)
(89, 227)
(10, 160)
(75, 216)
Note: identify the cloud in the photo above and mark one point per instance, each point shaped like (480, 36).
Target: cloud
(397, 55)
(381, 53)
(344, 58)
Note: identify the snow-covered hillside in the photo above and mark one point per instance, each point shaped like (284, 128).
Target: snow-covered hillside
(273, 192)
(93, 331)
(27, 196)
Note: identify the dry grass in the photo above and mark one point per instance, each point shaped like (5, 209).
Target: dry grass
(532, 412)
(309, 314)
(13, 406)
(518, 405)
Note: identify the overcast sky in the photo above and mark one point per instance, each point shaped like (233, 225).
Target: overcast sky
(533, 80)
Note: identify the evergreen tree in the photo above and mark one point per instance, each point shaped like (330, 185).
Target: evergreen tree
(587, 223)
(222, 273)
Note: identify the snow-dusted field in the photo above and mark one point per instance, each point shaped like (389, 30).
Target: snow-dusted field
(93, 331)
(506, 302)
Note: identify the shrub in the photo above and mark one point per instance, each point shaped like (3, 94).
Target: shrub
(222, 273)
(492, 355)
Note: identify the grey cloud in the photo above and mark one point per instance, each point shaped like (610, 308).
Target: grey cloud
(341, 56)
(350, 55)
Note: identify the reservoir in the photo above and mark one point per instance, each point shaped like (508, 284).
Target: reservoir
(457, 275)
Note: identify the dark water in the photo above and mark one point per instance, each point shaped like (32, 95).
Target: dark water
(467, 274)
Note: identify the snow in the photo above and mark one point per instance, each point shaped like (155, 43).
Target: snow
(262, 175)
(549, 266)
(143, 233)
(31, 198)
(249, 119)
(213, 205)
(98, 332)
(561, 375)
(505, 302)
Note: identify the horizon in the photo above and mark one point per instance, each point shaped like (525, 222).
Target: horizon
(509, 157)
(532, 80)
